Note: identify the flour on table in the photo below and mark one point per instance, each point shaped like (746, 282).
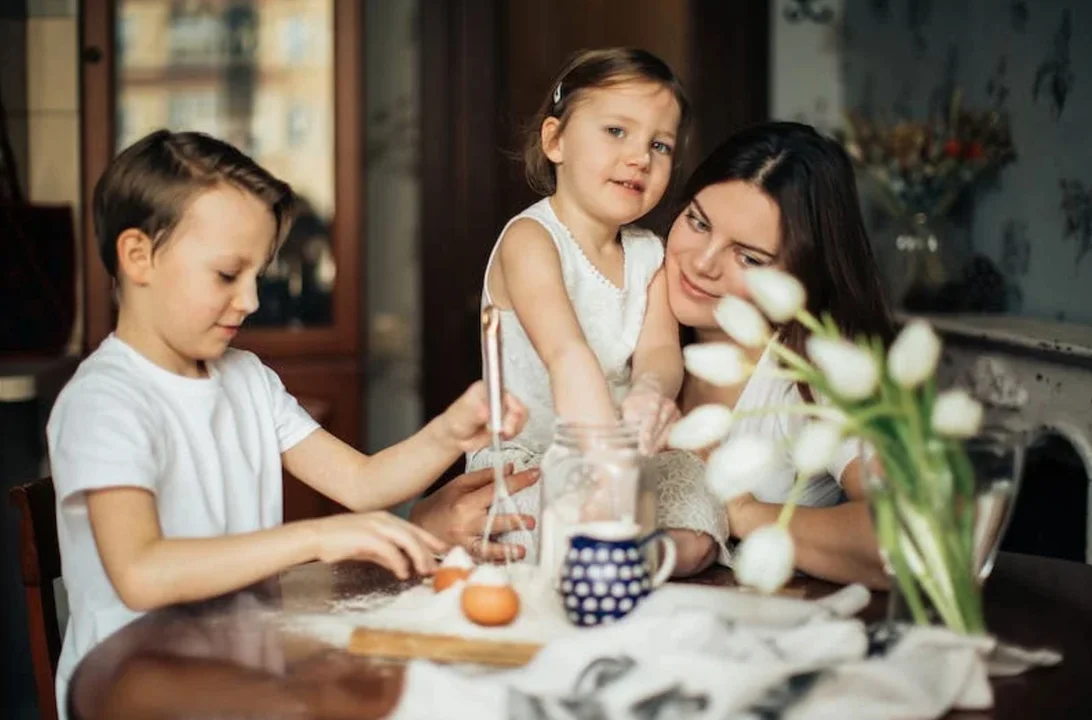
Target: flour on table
(422, 610)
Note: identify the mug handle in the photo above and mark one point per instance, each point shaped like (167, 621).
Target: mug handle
(667, 564)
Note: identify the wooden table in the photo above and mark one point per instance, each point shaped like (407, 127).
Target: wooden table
(231, 657)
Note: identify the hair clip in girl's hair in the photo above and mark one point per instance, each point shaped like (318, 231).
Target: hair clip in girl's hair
(557, 94)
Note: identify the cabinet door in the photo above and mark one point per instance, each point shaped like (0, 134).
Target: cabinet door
(279, 79)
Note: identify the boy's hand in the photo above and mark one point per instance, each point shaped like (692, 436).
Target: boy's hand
(646, 407)
(378, 537)
(464, 425)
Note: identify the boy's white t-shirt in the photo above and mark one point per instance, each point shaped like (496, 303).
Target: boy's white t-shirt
(209, 449)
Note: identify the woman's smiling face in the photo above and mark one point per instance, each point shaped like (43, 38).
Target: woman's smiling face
(726, 229)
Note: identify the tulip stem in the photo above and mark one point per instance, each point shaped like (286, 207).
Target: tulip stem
(808, 409)
(781, 373)
(789, 507)
(791, 358)
(808, 320)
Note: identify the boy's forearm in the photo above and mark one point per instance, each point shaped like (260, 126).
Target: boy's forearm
(415, 463)
(835, 543)
(176, 570)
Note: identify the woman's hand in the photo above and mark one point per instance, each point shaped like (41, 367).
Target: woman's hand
(646, 406)
(457, 512)
(465, 423)
(377, 537)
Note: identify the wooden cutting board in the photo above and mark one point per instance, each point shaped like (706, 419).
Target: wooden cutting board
(400, 645)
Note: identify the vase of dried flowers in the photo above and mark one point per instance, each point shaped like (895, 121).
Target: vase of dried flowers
(919, 170)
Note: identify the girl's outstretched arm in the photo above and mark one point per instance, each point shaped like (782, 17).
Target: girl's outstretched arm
(657, 370)
(530, 280)
(658, 351)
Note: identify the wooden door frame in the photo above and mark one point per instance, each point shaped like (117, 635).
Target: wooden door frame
(460, 159)
(97, 133)
(730, 35)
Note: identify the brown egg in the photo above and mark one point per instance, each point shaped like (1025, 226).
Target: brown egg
(490, 604)
(445, 577)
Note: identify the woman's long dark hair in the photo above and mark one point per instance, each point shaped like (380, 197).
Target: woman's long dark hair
(823, 239)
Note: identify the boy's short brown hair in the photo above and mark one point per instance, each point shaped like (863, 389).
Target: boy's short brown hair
(151, 183)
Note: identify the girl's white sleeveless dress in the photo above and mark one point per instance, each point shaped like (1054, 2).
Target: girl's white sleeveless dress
(610, 318)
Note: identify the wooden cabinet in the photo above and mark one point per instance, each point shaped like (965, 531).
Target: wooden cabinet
(283, 81)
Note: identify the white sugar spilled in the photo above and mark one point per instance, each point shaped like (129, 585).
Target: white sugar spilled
(422, 610)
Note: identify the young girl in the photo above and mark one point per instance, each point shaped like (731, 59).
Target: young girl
(167, 446)
(586, 328)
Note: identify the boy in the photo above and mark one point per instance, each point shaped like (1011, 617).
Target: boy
(167, 446)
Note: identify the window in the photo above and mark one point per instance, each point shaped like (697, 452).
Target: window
(298, 125)
(195, 34)
(296, 40)
(199, 110)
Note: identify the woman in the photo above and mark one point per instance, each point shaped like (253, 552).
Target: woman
(779, 195)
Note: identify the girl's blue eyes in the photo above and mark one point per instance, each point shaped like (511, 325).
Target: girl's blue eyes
(658, 147)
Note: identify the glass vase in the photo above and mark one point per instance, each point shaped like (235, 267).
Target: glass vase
(920, 262)
(940, 539)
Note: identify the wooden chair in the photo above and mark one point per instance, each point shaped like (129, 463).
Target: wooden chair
(40, 561)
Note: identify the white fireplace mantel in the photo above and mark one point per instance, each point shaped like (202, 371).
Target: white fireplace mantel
(1043, 367)
(1072, 343)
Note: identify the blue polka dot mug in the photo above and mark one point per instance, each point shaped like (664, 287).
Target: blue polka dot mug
(606, 573)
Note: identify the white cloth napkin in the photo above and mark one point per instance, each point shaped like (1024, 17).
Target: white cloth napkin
(701, 652)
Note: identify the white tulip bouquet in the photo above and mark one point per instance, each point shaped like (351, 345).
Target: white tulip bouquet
(922, 496)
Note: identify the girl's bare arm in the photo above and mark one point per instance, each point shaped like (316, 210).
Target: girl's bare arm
(530, 272)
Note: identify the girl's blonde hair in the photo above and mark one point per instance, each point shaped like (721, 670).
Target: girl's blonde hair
(587, 70)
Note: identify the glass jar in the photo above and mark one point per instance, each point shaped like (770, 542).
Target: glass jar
(590, 473)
